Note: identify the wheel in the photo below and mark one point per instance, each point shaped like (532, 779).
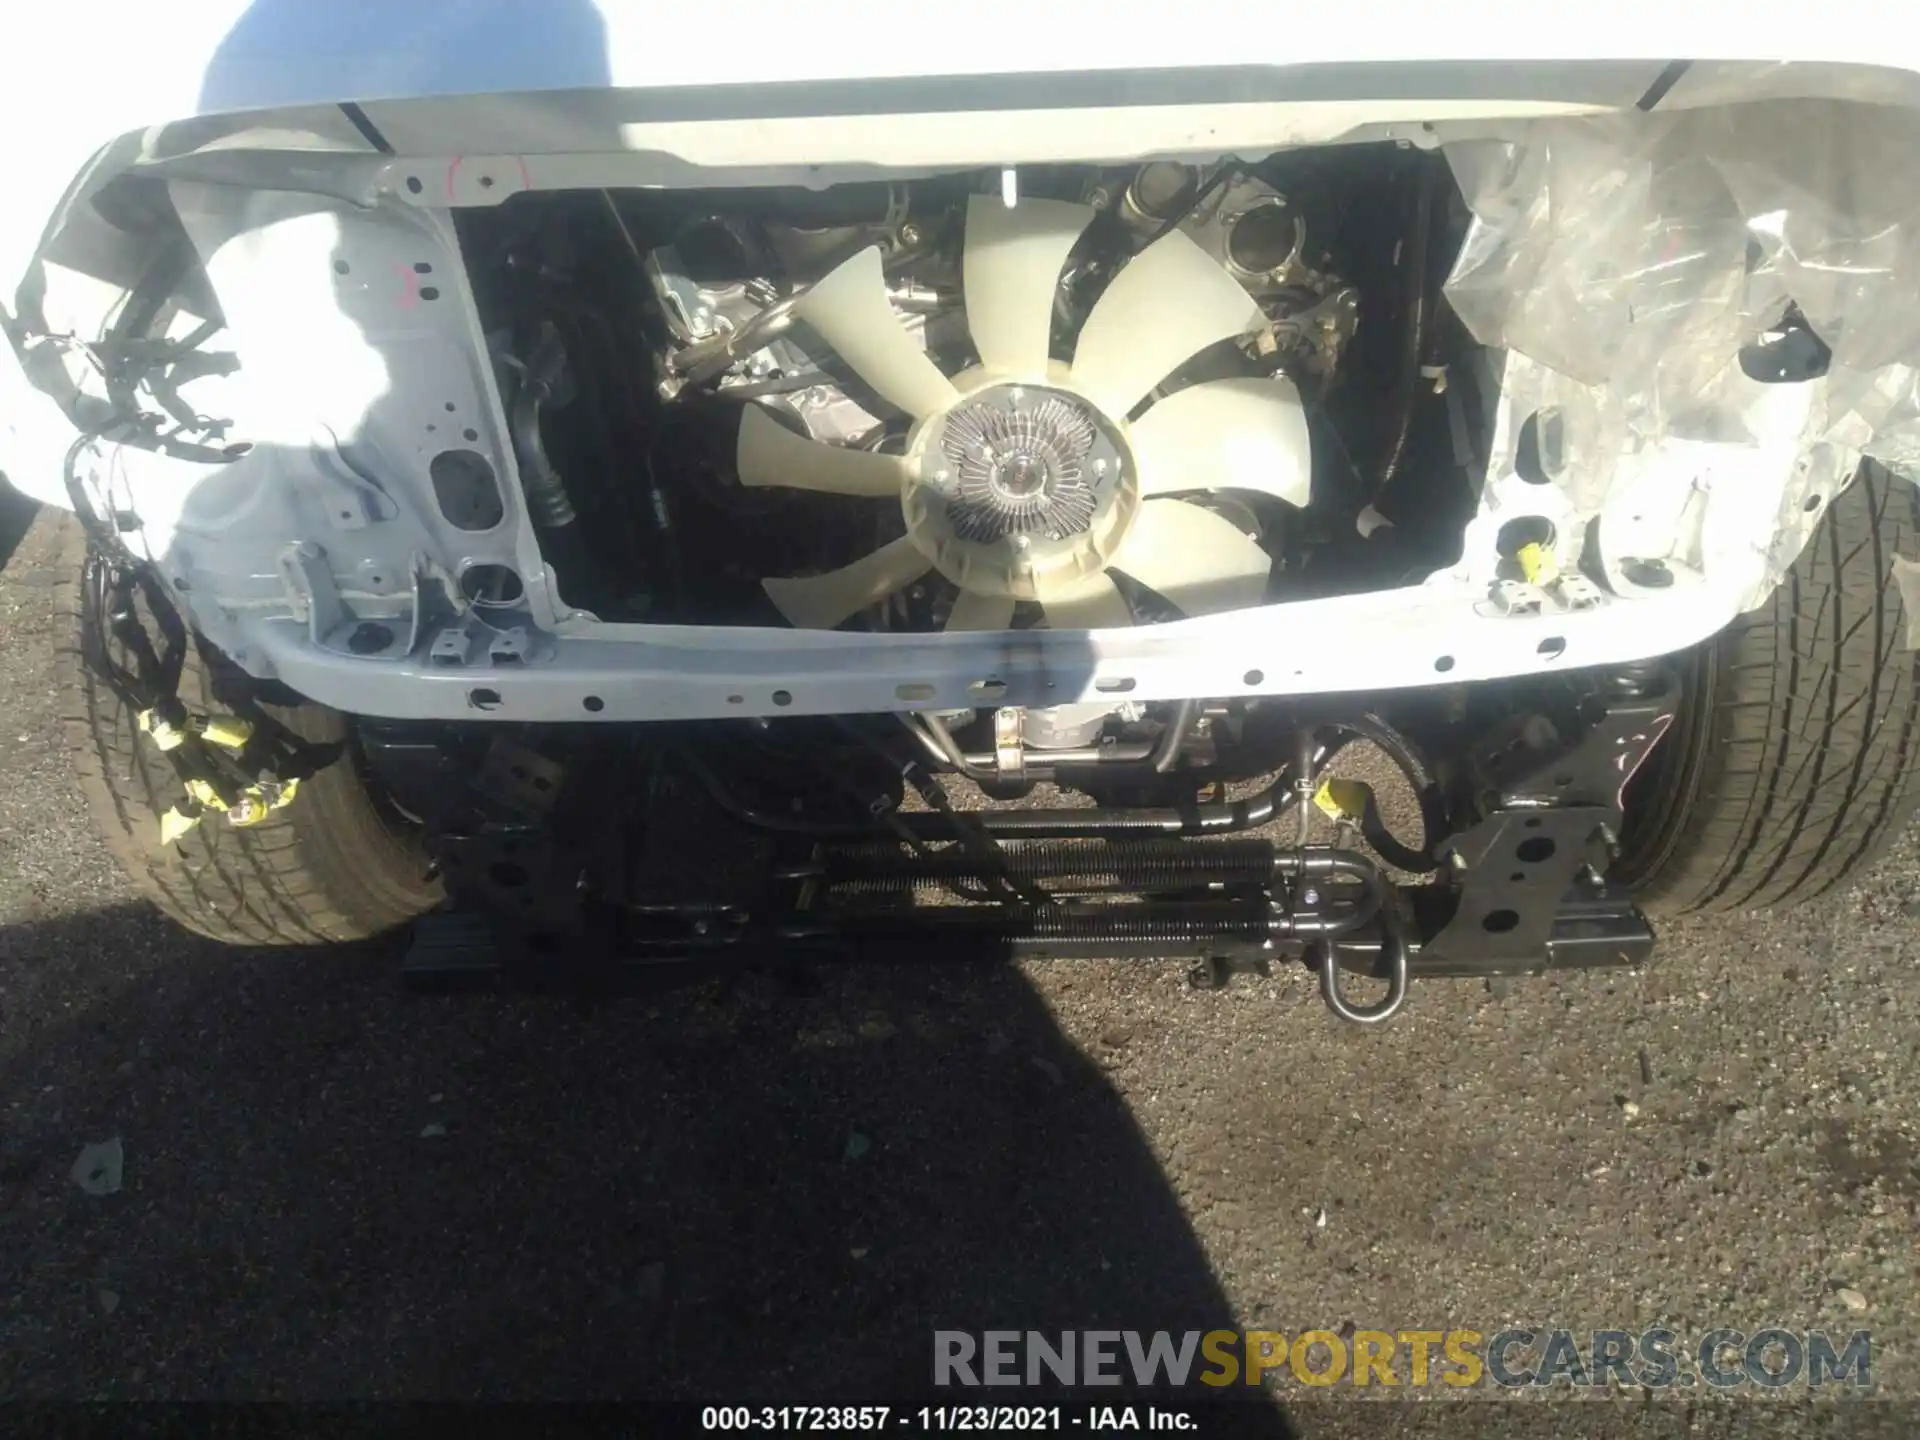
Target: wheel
(1791, 763)
(335, 865)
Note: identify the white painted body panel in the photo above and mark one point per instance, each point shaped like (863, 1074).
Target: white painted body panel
(483, 99)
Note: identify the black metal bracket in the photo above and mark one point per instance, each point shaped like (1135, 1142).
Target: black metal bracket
(1551, 834)
(1512, 869)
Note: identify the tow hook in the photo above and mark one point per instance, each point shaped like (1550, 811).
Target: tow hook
(1326, 957)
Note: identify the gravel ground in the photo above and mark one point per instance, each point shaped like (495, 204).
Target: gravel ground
(775, 1188)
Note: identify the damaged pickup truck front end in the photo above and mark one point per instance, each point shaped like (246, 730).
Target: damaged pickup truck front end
(903, 517)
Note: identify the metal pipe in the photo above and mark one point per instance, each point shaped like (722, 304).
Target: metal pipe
(949, 748)
(1066, 867)
(1317, 864)
(709, 359)
(935, 752)
(1166, 754)
(1041, 761)
(706, 360)
(1304, 750)
(1097, 923)
(1223, 817)
(920, 299)
(979, 765)
(1121, 866)
(1216, 818)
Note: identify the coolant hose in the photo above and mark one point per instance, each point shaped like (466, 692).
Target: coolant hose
(548, 503)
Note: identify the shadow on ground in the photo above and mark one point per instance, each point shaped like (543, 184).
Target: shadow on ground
(762, 1188)
(16, 516)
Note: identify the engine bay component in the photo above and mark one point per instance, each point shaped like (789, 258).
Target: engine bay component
(1527, 830)
(1022, 479)
(1067, 727)
(1084, 422)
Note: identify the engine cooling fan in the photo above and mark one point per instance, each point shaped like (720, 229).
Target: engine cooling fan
(1023, 478)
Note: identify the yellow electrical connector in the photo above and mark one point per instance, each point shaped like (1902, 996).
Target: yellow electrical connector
(1342, 800)
(173, 825)
(229, 732)
(1537, 564)
(164, 736)
(205, 794)
(257, 802)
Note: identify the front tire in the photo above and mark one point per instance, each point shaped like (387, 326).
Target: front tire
(1791, 764)
(332, 866)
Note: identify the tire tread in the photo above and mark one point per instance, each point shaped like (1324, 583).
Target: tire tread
(1810, 769)
(326, 869)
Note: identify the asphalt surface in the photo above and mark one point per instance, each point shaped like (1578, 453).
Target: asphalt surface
(776, 1189)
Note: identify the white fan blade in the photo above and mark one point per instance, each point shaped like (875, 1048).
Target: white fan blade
(1197, 559)
(1091, 603)
(820, 602)
(1244, 434)
(1170, 301)
(849, 308)
(1011, 268)
(771, 454)
(981, 612)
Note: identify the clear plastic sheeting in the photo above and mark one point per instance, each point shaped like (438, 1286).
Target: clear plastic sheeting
(1636, 254)
(1877, 412)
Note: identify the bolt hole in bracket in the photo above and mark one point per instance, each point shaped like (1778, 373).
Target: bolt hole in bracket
(342, 624)
(491, 639)
(1559, 815)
